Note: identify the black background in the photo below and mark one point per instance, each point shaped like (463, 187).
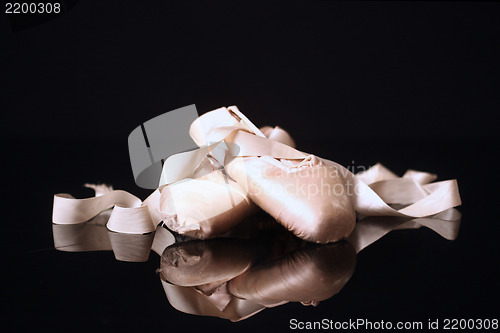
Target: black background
(409, 84)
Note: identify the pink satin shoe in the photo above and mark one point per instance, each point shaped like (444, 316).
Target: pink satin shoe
(211, 203)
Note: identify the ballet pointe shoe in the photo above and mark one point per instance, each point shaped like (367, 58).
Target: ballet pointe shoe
(309, 198)
(211, 204)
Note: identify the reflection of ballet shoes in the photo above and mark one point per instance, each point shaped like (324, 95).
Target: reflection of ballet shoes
(308, 275)
(200, 269)
(224, 305)
(206, 264)
(194, 275)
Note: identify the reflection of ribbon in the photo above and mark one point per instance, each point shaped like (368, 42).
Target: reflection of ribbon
(374, 189)
(372, 228)
(94, 236)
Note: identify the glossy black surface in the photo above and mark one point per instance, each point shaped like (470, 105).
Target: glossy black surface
(407, 275)
(410, 85)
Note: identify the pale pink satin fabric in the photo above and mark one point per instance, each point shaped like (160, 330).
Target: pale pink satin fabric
(309, 198)
(375, 188)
